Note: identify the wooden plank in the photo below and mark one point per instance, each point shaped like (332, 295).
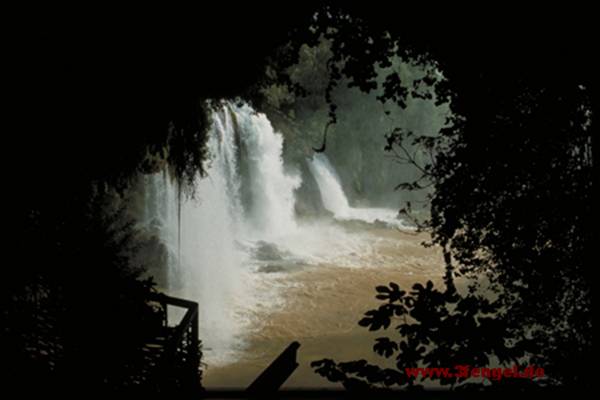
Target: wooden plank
(271, 379)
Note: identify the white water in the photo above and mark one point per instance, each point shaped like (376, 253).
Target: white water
(332, 194)
(211, 244)
(160, 215)
(335, 200)
(271, 212)
(220, 243)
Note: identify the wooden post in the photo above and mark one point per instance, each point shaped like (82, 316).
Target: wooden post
(271, 379)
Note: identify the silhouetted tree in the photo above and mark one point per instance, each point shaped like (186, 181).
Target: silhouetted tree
(511, 174)
(97, 100)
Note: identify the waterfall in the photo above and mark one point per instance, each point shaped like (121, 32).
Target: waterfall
(160, 216)
(332, 194)
(271, 212)
(216, 227)
(335, 200)
(241, 222)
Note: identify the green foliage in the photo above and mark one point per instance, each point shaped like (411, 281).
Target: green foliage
(511, 174)
(355, 141)
(433, 329)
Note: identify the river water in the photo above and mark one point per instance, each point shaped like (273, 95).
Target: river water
(264, 277)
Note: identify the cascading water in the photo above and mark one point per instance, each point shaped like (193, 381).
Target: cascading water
(160, 216)
(332, 194)
(242, 222)
(212, 265)
(335, 200)
(271, 212)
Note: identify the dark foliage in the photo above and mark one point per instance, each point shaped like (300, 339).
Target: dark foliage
(78, 317)
(96, 99)
(512, 178)
(74, 315)
(435, 329)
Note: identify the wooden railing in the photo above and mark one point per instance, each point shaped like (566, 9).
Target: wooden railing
(178, 353)
(179, 359)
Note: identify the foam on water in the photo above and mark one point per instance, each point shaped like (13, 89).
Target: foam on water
(229, 252)
(335, 200)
